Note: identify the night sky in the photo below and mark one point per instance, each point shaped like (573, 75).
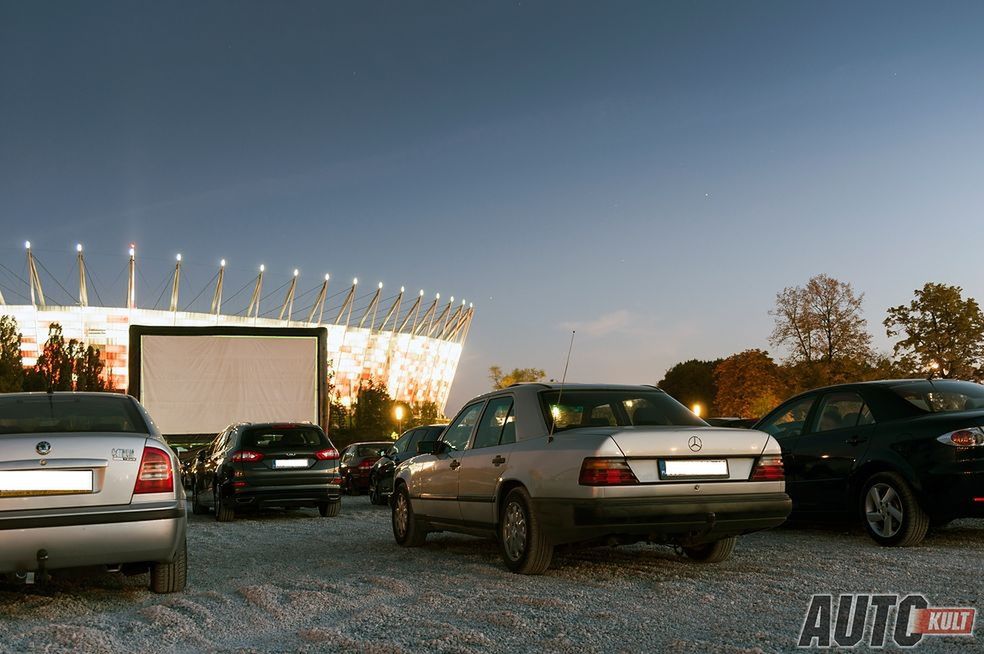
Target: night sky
(649, 173)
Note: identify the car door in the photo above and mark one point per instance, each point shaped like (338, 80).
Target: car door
(787, 424)
(205, 469)
(840, 431)
(484, 461)
(406, 446)
(437, 475)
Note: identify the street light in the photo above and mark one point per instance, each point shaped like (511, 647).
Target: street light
(398, 412)
(696, 409)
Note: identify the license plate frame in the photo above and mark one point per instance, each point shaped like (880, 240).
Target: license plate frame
(685, 469)
(290, 464)
(30, 483)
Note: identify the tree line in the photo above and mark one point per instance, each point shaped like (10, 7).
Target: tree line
(61, 365)
(824, 339)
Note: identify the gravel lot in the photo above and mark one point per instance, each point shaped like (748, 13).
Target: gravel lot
(292, 581)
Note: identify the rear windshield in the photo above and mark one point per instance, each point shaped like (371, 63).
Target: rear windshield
(432, 434)
(942, 396)
(272, 438)
(51, 414)
(576, 408)
(372, 449)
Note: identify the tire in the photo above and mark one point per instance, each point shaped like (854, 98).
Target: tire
(407, 528)
(197, 508)
(374, 496)
(890, 511)
(170, 577)
(330, 509)
(522, 542)
(715, 552)
(223, 512)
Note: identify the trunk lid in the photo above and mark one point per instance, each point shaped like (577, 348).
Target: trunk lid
(64, 470)
(689, 442)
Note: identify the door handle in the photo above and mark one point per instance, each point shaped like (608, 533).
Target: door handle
(498, 461)
(854, 440)
(455, 464)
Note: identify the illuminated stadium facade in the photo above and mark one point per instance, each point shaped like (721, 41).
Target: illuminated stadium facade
(409, 344)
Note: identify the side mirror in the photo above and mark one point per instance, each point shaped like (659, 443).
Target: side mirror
(432, 447)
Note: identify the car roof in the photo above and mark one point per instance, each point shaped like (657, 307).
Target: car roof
(528, 387)
(369, 443)
(122, 396)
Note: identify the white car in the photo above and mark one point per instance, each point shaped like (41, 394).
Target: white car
(87, 480)
(540, 465)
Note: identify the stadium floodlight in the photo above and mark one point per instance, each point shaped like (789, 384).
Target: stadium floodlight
(355, 281)
(262, 267)
(27, 245)
(402, 289)
(179, 257)
(380, 286)
(222, 263)
(438, 296)
(421, 292)
(78, 247)
(327, 277)
(296, 272)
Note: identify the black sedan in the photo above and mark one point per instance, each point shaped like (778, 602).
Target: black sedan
(356, 462)
(902, 455)
(405, 447)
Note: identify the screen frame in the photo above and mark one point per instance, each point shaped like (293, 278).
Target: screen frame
(137, 332)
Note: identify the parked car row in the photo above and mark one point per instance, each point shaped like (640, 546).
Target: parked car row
(86, 479)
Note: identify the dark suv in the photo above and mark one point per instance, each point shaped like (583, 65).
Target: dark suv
(259, 465)
(405, 447)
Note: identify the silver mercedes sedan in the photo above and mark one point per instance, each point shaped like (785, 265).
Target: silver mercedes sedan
(540, 465)
(87, 480)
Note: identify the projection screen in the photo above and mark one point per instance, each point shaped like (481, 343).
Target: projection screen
(200, 384)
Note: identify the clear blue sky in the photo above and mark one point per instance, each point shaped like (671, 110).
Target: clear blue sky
(650, 173)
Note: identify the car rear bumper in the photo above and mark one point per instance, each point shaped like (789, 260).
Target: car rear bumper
(685, 520)
(78, 538)
(307, 495)
(957, 494)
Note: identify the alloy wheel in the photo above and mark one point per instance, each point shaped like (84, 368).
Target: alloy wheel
(401, 515)
(883, 510)
(514, 531)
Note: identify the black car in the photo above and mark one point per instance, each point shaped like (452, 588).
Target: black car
(356, 462)
(249, 466)
(405, 447)
(902, 455)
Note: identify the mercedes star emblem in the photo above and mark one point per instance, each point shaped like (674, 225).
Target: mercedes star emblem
(695, 444)
(44, 447)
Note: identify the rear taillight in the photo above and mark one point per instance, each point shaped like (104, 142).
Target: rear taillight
(249, 456)
(970, 437)
(365, 464)
(326, 455)
(156, 474)
(769, 468)
(606, 472)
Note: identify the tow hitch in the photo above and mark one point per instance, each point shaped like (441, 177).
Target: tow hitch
(39, 577)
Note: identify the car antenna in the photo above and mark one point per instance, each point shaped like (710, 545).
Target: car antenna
(560, 393)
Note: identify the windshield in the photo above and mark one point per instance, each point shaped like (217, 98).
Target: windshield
(942, 396)
(269, 438)
(574, 409)
(372, 449)
(69, 413)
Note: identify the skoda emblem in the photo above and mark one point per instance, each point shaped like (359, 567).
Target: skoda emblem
(44, 447)
(695, 444)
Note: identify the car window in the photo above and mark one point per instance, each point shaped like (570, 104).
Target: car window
(407, 442)
(431, 434)
(50, 414)
(841, 410)
(270, 438)
(574, 409)
(497, 415)
(942, 396)
(788, 421)
(457, 435)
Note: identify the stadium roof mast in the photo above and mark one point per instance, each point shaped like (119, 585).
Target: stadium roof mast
(414, 310)
(37, 294)
(254, 302)
(83, 291)
(394, 311)
(176, 285)
(288, 305)
(131, 279)
(217, 296)
(428, 315)
(373, 303)
(347, 304)
(319, 305)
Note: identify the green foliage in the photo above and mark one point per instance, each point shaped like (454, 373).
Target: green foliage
(11, 363)
(692, 382)
(62, 366)
(516, 376)
(942, 333)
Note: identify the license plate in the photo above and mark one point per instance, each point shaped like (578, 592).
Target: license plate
(693, 468)
(290, 463)
(45, 482)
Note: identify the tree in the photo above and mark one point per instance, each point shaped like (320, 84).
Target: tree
(62, 366)
(11, 362)
(426, 413)
(822, 328)
(749, 384)
(89, 370)
(500, 380)
(692, 382)
(943, 333)
(373, 410)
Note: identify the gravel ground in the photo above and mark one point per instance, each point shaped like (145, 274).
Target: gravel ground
(292, 581)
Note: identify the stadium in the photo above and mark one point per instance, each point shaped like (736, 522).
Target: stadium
(410, 344)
